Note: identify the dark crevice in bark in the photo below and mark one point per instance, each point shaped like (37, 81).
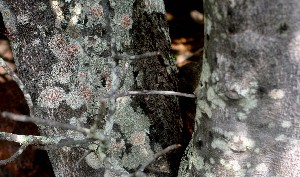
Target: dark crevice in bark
(163, 111)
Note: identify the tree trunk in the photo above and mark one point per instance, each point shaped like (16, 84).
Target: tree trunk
(61, 50)
(248, 107)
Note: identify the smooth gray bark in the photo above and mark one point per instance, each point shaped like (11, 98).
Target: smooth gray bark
(248, 107)
(61, 50)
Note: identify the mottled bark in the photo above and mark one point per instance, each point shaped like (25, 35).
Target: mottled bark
(248, 107)
(61, 50)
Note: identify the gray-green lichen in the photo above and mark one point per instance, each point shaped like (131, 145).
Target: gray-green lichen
(220, 144)
(286, 124)
(248, 103)
(262, 168)
(122, 22)
(234, 167)
(136, 157)
(134, 126)
(247, 95)
(281, 137)
(194, 160)
(242, 116)
(206, 71)
(126, 117)
(74, 100)
(208, 99)
(215, 99)
(208, 25)
(204, 108)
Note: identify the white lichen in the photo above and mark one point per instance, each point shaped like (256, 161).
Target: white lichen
(235, 166)
(262, 167)
(241, 143)
(241, 116)
(281, 138)
(206, 72)
(208, 25)
(276, 94)
(23, 18)
(76, 11)
(212, 161)
(208, 174)
(248, 103)
(232, 3)
(204, 108)
(286, 124)
(42, 6)
(215, 99)
(73, 121)
(74, 100)
(197, 161)
(220, 144)
(58, 12)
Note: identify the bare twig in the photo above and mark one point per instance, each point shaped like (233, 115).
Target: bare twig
(158, 154)
(155, 92)
(140, 171)
(15, 156)
(52, 123)
(198, 52)
(25, 139)
(45, 143)
(20, 84)
(83, 156)
(137, 57)
(115, 75)
(70, 143)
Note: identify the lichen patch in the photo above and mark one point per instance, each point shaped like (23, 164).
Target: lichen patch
(51, 97)
(74, 100)
(286, 124)
(93, 161)
(276, 94)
